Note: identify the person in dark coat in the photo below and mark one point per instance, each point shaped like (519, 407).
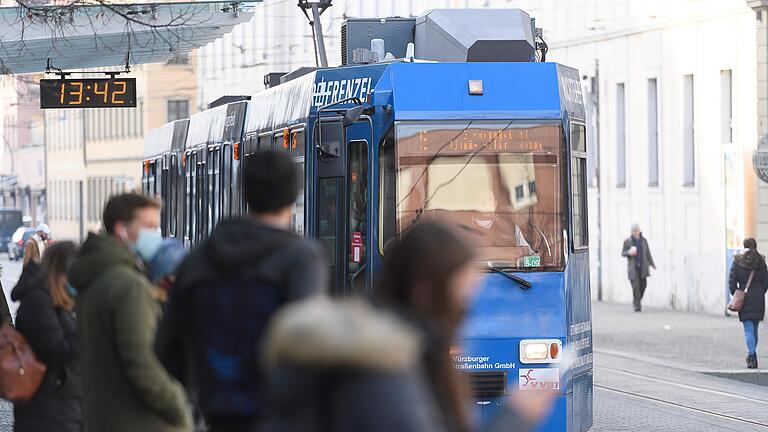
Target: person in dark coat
(226, 291)
(5, 311)
(46, 320)
(753, 309)
(639, 263)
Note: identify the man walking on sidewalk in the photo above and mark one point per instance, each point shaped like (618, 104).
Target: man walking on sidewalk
(228, 288)
(125, 388)
(639, 261)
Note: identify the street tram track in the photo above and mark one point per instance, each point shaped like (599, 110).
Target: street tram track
(684, 386)
(681, 406)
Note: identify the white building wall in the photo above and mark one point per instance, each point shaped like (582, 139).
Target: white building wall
(686, 226)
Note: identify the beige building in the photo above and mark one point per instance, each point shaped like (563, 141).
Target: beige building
(95, 153)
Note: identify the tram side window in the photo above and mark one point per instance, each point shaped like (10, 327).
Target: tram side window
(172, 204)
(579, 186)
(358, 214)
(297, 152)
(214, 193)
(226, 181)
(265, 142)
(387, 191)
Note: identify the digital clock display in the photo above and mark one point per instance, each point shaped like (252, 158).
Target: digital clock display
(88, 93)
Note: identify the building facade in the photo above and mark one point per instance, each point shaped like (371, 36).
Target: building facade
(93, 154)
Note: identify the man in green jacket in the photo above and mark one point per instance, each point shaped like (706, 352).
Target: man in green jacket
(125, 388)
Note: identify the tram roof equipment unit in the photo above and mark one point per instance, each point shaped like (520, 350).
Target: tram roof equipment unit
(475, 35)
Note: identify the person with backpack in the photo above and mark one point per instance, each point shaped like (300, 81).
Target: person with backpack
(749, 275)
(385, 365)
(228, 288)
(46, 319)
(125, 388)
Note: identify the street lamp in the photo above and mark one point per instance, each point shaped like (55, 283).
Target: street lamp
(317, 7)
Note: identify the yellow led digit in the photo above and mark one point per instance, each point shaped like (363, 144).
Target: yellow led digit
(104, 93)
(120, 92)
(61, 97)
(79, 93)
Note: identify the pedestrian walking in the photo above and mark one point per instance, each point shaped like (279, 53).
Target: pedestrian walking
(45, 317)
(748, 273)
(125, 388)
(639, 263)
(33, 250)
(345, 366)
(229, 287)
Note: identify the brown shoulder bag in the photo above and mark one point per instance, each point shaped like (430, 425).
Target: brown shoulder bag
(737, 301)
(20, 371)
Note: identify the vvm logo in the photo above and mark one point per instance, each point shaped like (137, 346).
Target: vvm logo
(539, 379)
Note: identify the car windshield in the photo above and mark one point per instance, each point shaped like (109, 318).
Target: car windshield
(499, 181)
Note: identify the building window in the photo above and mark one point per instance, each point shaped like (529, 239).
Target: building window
(689, 145)
(621, 148)
(519, 192)
(178, 109)
(653, 133)
(726, 106)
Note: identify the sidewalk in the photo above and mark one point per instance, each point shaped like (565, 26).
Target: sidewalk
(685, 340)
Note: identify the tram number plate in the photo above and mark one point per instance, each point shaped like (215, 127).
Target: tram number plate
(532, 261)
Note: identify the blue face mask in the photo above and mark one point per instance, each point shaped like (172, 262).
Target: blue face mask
(70, 289)
(147, 244)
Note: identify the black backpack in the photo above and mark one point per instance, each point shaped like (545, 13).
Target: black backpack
(230, 317)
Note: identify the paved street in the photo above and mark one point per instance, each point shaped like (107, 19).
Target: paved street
(650, 371)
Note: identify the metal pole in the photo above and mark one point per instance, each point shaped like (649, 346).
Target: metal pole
(318, 27)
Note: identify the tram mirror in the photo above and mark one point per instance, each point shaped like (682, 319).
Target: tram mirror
(352, 115)
(331, 136)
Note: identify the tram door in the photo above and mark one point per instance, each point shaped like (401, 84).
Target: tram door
(342, 204)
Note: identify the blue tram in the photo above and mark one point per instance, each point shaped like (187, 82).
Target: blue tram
(495, 148)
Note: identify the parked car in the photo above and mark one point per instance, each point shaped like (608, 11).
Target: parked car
(18, 241)
(10, 219)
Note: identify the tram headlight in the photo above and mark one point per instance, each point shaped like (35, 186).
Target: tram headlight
(540, 351)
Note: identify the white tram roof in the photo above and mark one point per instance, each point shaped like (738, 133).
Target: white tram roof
(206, 127)
(281, 105)
(158, 140)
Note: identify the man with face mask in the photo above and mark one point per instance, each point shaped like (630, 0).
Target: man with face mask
(125, 388)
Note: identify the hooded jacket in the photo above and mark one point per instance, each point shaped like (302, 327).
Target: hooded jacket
(347, 366)
(234, 280)
(51, 333)
(125, 387)
(754, 303)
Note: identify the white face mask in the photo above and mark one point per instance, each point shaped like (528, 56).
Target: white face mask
(148, 243)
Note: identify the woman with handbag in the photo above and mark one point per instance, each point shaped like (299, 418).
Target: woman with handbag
(747, 283)
(46, 319)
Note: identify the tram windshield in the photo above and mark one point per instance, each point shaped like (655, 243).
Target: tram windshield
(499, 181)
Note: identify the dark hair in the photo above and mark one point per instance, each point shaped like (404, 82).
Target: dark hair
(270, 180)
(750, 243)
(123, 208)
(427, 257)
(56, 261)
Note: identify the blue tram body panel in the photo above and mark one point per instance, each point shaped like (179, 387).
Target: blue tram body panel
(502, 314)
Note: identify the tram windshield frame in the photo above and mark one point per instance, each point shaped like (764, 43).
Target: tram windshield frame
(501, 181)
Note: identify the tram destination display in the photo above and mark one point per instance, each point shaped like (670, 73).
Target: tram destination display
(88, 93)
(429, 139)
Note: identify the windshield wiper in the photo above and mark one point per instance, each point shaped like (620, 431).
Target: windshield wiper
(525, 284)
